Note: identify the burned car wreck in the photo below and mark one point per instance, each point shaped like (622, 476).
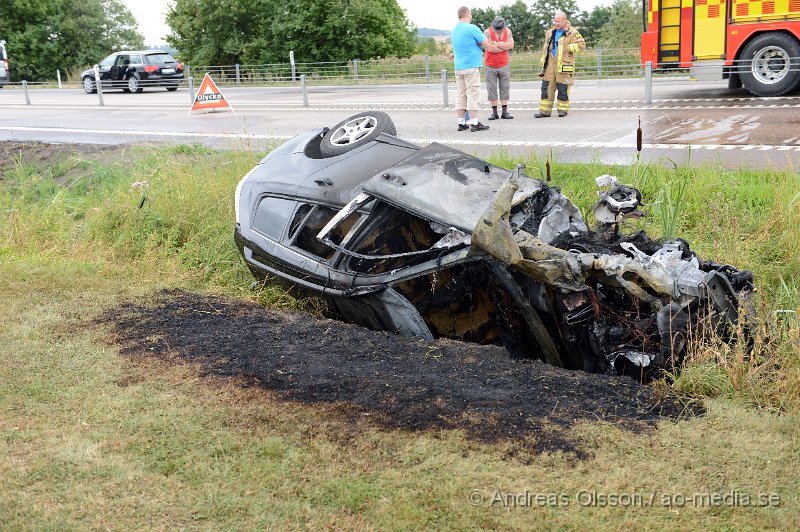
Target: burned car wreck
(433, 242)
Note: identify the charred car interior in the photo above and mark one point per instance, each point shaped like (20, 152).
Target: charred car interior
(433, 242)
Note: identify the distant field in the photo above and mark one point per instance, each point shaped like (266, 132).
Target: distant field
(109, 420)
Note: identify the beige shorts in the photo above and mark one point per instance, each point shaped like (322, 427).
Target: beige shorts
(468, 88)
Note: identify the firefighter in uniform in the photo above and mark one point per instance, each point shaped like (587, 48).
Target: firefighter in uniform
(561, 43)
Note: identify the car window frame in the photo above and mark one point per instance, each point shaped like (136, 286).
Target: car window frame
(280, 235)
(112, 58)
(371, 217)
(291, 240)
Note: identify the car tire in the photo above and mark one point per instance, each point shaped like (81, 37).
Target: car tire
(355, 131)
(88, 85)
(770, 65)
(172, 89)
(134, 84)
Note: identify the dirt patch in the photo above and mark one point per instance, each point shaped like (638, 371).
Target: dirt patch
(390, 380)
(38, 153)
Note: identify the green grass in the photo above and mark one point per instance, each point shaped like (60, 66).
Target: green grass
(90, 439)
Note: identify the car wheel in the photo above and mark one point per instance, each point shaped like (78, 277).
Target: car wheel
(88, 85)
(172, 89)
(770, 65)
(355, 131)
(134, 84)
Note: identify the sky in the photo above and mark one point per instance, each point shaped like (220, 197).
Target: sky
(436, 14)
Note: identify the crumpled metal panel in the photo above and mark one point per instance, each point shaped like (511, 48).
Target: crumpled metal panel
(445, 185)
(664, 273)
(522, 251)
(385, 310)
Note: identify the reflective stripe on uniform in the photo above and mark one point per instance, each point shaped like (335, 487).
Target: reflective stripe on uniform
(559, 65)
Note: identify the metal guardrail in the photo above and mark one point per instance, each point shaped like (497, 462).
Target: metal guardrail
(592, 64)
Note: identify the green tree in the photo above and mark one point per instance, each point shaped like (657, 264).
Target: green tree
(591, 22)
(45, 35)
(518, 18)
(221, 32)
(338, 30)
(523, 23)
(483, 17)
(429, 46)
(624, 28)
(253, 31)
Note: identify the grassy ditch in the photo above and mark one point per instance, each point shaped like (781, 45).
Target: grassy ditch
(89, 438)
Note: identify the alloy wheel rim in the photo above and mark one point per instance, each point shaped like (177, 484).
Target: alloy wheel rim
(354, 130)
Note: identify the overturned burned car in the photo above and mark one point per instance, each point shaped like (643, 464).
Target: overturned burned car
(433, 242)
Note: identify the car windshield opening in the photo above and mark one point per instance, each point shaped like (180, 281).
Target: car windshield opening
(392, 232)
(307, 237)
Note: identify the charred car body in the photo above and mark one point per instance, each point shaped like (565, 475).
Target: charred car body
(433, 242)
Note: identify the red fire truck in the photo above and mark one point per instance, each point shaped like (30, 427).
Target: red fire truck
(755, 43)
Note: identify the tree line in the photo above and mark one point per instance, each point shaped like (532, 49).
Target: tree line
(45, 35)
(225, 32)
(616, 26)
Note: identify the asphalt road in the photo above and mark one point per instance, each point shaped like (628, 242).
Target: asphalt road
(686, 121)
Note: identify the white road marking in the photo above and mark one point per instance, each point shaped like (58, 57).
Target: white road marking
(269, 107)
(129, 133)
(457, 141)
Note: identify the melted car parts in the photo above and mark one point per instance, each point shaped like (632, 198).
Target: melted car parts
(433, 242)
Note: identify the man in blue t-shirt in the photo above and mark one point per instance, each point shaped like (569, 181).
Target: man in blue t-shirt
(469, 42)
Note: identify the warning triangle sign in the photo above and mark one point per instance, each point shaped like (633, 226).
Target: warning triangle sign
(209, 97)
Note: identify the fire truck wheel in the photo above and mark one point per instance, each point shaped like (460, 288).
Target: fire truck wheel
(770, 65)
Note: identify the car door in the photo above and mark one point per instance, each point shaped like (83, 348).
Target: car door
(104, 68)
(119, 70)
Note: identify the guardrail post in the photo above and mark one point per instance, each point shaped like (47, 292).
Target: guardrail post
(303, 88)
(427, 67)
(25, 88)
(238, 75)
(355, 70)
(444, 88)
(599, 61)
(648, 82)
(294, 67)
(191, 89)
(188, 71)
(58, 75)
(98, 86)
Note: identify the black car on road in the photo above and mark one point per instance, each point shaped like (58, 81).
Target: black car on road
(133, 71)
